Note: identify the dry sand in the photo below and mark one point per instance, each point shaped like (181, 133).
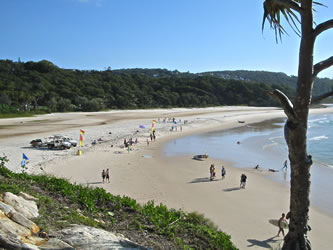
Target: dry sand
(146, 174)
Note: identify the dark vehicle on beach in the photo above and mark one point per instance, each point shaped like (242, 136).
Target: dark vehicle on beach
(36, 143)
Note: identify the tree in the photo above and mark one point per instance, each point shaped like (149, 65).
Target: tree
(295, 129)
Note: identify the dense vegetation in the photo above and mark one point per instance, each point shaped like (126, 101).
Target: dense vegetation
(42, 86)
(155, 226)
(36, 85)
(322, 85)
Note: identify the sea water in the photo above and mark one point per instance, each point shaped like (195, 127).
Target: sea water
(264, 144)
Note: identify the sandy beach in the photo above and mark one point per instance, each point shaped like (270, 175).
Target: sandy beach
(144, 173)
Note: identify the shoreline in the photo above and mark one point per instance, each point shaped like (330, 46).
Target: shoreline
(260, 143)
(183, 183)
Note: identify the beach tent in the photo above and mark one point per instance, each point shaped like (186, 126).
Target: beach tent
(142, 126)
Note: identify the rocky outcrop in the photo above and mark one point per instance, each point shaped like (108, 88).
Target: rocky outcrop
(28, 208)
(83, 237)
(17, 231)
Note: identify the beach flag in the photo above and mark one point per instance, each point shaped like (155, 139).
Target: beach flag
(23, 162)
(79, 151)
(154, 121)
(81, 137)
(152, 125)
(81, 140)
(25, 157)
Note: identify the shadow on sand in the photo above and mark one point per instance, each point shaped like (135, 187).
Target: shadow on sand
(270, 243)
(202, 179)
(231, 189)
(36, 148)
(96, 182)
(197, 159)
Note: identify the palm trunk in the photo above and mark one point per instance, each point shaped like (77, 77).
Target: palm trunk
(295, 135)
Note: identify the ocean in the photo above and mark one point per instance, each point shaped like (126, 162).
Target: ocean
(263, 143)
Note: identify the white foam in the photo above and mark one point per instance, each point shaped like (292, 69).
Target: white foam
(318, 138)
(323, 164)
(276, 137)
(269, 145)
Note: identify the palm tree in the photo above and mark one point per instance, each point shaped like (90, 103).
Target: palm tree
(299, 15)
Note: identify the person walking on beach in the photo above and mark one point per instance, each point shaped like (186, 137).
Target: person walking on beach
(103, 175)
(211, 171)
(107, 176)
(281, 221)
(243, 181)
(223, 172)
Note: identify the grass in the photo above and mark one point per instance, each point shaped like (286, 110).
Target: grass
(155, 226)
(21, 114)
(46, 120)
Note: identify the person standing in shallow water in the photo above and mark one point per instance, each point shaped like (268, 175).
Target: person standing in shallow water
(285, 165)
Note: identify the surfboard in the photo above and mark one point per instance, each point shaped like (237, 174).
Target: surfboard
(275, 222)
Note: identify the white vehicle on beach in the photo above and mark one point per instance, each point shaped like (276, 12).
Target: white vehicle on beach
(65, 138)
(57, 142)
(70, 140)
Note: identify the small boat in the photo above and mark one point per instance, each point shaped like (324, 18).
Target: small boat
(200, 157)
(241, 121)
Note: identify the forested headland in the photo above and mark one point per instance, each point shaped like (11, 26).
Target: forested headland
(42, 86)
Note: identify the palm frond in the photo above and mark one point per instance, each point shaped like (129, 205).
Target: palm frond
(293, 17)
(272, 13)
(317, 3)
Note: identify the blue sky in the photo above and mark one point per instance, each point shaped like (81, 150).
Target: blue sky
(184, 35)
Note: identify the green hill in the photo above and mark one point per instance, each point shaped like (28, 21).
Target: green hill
(42, 86)
(321, 85)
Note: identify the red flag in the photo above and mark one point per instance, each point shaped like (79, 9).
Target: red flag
(82, 131)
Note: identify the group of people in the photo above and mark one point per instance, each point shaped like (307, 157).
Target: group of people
(106, 175)
(130, 142)
(212, 172)
(152, 136)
